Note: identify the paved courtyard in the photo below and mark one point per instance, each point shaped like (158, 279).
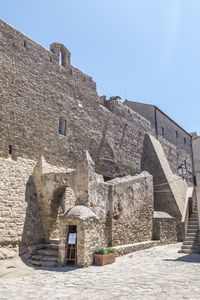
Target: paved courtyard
(156, 273)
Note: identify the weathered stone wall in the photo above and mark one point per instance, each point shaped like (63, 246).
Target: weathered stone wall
(132, 209)
(20, 219)
(164, 228)
(36, 91)
(176, 149)
(88, 235)
(169, 189)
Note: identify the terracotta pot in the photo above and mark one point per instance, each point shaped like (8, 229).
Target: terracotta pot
(105, 259)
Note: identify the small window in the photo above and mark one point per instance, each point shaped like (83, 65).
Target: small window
(25, 44)
(10, 149)
(60, 58)
(184, 140)
(176, 133)
(62, 126)
(162, 131)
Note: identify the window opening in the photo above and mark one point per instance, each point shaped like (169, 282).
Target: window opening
(62, 126)
(184, 140)
(176, 134)
(10, 149)
(162, 131)
(60, 58)
(25, 44)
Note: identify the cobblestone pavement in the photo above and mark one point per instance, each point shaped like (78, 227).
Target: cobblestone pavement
(157, 273)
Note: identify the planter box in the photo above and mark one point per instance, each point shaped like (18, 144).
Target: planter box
(105, 259)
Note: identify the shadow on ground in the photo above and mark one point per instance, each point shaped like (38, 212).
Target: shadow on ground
(190, 258)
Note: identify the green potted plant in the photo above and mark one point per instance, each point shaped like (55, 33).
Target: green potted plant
(104, 256)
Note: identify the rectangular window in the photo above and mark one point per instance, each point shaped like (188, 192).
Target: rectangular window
(184, 140)
(162, 131)
(62, 126)
(176, 133)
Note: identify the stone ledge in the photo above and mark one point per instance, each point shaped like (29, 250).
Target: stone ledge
(126, 249)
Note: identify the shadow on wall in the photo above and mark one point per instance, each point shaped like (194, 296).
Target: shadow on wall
(56, 204)
(33, 232)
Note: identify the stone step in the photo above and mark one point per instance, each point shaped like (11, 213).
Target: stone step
(55, 242)
(193, 222)
(45, 258)
(191, 240)
(194, 216)
(33, 248)
(195, 247)
(192, 234)
(192, 230)
(48, 252)
(191, 244)
(191, 226)
(52, 246)
(188, 251)
(46, 264)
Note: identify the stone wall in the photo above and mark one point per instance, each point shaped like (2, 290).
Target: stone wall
(36, 91)
(176, 142)
(164, 228)
(123, 206)
(169, 189)
(132, 209)
(88, 235)
(20, 219)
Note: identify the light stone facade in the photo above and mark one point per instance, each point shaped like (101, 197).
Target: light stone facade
(97, 162)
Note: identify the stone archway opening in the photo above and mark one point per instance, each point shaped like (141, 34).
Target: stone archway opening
(56, 211)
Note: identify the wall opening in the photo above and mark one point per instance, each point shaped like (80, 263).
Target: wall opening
(25, 44)
(162, 131)
(71, 247)
(62, 126)
(176, 133)
(60, 58)
(184, 140)
(10, 149)
(107, 178)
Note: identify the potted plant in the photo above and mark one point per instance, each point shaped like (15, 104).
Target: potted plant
(104, 256)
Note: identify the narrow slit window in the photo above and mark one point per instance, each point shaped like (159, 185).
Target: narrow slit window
(62, 126)
(162, 131)
(60, 58)
(184, 140)
(10, 149)
(176, 134)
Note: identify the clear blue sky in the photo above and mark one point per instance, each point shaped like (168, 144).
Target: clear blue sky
(142, 50)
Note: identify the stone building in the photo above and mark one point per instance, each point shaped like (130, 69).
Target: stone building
(69, 158)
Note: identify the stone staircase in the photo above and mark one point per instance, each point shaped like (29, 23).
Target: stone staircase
(44, 255)
(191, 243)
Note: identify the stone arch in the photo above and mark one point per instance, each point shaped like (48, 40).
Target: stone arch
(60, 50)
(55, 196)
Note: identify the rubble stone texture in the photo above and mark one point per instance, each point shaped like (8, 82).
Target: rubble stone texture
(45, 171)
